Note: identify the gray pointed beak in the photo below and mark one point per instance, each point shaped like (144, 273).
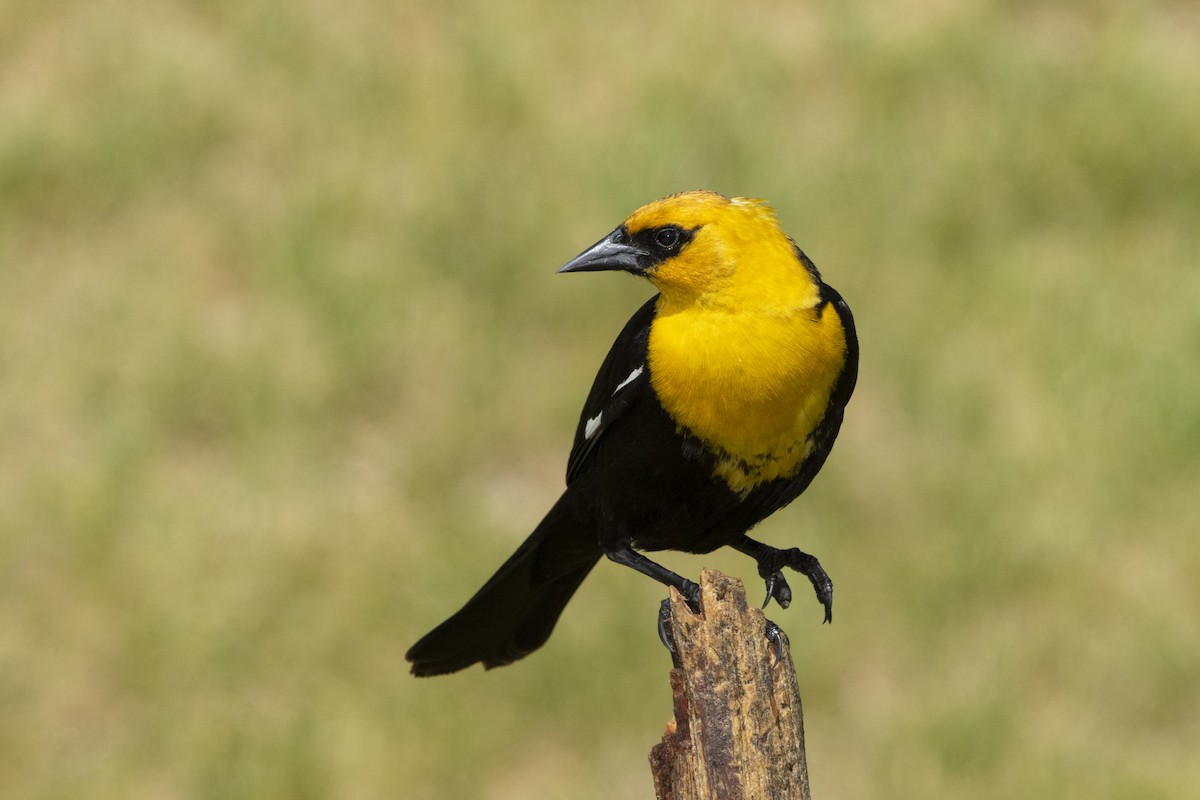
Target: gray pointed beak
(613, 252)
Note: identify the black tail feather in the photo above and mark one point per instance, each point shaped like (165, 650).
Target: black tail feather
(515, 611)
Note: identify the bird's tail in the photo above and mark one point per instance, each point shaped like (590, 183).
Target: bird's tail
(515, 611)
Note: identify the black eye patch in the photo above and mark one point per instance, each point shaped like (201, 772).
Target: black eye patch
(664, 241)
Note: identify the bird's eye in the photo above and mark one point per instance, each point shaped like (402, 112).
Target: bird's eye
(667, 238)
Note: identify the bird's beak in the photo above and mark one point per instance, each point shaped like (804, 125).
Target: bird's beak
(612, 252)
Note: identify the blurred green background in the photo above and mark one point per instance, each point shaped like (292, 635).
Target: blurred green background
(286, 372)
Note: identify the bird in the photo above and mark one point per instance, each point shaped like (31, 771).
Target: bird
(716, 406)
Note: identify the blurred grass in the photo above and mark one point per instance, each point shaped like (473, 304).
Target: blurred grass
(285, 373)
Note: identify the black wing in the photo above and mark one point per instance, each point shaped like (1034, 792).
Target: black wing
(845, 383)
(622, 379)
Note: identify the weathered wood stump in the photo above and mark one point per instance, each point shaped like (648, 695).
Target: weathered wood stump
(738, 730)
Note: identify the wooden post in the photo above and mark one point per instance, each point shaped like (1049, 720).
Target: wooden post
(738, 730)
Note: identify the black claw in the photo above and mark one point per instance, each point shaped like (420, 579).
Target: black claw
(825, 595)
(777, 637)
(822, 585)
(810, 567)
(777, 588)
(664, 631)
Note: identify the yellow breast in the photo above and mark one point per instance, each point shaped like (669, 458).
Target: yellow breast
(751, 385)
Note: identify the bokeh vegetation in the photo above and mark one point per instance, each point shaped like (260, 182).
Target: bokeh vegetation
(285, 372)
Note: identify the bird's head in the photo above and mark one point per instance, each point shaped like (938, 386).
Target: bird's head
(698, 246)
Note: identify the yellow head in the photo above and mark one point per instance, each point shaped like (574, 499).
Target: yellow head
(705, 248)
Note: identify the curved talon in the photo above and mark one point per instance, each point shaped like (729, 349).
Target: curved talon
(825, 595)
(664, 616)
(777, 587)
(821, 583)
(777, 637)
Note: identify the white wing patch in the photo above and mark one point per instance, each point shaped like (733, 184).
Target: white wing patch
(633, 376)
(592, 426)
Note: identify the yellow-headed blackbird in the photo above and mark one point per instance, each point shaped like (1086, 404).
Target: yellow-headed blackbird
(716, 406)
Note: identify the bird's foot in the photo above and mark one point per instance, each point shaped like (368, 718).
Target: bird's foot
(770, 567)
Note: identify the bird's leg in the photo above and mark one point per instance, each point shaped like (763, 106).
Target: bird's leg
(771, 562)
(622, 553)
